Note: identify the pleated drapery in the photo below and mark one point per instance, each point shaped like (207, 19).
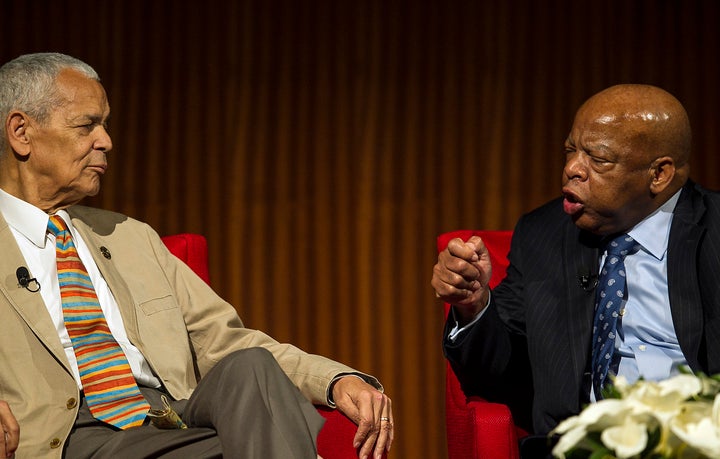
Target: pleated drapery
(322, 145)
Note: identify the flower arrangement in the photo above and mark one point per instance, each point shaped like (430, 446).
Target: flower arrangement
(677, 418)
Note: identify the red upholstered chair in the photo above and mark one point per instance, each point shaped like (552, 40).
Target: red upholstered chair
(478, 429)
(336, 437)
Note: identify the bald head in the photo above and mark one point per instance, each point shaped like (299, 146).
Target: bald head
(653, 120)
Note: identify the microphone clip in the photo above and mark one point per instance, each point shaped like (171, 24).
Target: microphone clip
(25, 281)
(587, 281)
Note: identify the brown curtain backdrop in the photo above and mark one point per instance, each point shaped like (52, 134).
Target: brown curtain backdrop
(322, 145)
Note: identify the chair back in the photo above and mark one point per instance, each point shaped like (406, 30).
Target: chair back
(192, 249)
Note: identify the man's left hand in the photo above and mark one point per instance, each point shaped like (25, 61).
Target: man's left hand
(371, 410)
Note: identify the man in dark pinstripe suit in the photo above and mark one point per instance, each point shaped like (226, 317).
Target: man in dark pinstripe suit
(528, 342)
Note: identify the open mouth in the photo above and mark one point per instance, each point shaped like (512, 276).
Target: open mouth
(571, 203)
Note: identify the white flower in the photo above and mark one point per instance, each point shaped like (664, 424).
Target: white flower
(663, 399)
(627, 440)
(674, 418)
(570, 440)
(684, 384)
(595, 418)
(698, 425)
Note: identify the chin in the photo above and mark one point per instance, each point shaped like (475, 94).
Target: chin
(587, 224)
(92, 189)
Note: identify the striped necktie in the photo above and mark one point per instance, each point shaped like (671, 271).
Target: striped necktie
(108, 383)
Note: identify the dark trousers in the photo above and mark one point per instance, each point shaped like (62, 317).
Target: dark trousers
(245, 407)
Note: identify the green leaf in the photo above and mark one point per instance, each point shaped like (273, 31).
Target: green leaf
(654, 436)
(609, 391)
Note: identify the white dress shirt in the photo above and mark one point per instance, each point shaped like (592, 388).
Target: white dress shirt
(646, 341)
(29, 226)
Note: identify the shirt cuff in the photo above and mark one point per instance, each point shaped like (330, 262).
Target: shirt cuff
(456, 330)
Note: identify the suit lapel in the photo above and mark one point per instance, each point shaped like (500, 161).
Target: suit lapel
(29, 305)
(580, 253)
(101, 250)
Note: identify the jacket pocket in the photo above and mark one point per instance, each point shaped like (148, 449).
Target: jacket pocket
(158, 305)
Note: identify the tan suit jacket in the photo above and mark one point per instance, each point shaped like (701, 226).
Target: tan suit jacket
(178, 323)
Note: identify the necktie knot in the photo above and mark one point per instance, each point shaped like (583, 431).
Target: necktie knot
(621, 246)
(56, 225)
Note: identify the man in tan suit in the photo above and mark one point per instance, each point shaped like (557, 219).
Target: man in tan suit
(235, 388)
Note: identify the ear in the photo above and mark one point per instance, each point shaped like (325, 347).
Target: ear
(662, 172)
(16, 127)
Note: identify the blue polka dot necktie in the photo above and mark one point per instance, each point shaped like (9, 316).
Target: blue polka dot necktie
(611, 292)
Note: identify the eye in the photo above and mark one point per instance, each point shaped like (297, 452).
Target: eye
(600, 161)
(88, 127)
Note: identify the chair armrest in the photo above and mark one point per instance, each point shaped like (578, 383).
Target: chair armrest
(476, 428)
(495, 431)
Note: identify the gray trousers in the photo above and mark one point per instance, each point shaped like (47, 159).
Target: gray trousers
(245, 407)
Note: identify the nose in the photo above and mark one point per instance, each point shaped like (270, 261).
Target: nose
(103, 142)
(575, 167)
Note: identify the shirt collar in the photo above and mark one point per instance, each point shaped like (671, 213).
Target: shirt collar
(653, 232)
(27, 219)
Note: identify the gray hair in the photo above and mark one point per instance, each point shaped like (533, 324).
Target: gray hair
(27, 83)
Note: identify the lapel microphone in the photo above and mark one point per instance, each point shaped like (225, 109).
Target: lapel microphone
(24, 280)
(587, 281)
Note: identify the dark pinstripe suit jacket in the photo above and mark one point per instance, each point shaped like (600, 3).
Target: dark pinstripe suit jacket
(531, 348)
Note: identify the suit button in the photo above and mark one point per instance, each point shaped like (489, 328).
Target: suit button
(71, 403)
(54, 443)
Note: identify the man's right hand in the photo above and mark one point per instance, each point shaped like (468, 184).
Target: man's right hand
(461, 277)
(11, 431)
